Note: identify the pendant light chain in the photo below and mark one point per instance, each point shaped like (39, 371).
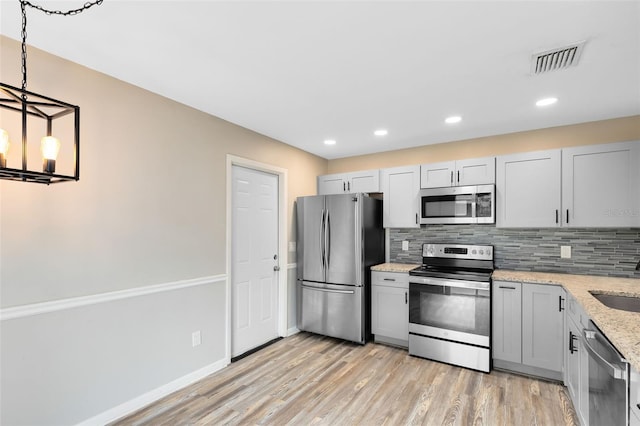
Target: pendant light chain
(23, 7)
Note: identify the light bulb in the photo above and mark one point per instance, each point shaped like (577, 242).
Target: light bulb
(4, 147)
(50, 149)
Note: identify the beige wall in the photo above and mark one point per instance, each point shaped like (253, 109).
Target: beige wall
(615, 130)
(150, 204)
(149, 209)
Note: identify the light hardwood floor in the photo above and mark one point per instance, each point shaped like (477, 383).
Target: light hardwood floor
(308, 379)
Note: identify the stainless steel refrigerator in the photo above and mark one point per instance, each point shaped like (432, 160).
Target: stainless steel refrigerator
(339, 238)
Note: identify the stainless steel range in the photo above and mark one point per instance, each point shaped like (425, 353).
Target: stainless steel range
(450, 305)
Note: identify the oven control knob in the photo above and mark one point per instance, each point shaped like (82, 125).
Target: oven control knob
(473, 251)
(481, 252)
(489, 252)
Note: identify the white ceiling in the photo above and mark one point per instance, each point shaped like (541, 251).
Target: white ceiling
(302, 71)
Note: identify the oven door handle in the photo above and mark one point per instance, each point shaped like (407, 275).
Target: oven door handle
(613, 370)
(439, 282)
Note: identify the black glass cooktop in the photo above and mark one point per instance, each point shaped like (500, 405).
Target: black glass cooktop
(482, 275)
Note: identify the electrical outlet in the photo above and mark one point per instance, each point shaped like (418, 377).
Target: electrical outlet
(565, 252)
(196, 339)
(405, 245)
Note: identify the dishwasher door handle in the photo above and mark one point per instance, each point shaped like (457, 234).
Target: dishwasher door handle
(613, 370)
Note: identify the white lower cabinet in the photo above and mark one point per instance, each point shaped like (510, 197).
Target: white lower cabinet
(507, 321)
(634, 397)
(577, 359)
(390, 307)
(577, 371)
(527, 330)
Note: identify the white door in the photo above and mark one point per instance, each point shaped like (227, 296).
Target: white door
(254, 251)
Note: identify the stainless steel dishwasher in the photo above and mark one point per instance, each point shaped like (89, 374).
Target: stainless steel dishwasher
(608, 380)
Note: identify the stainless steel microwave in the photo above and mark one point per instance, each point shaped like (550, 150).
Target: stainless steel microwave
(458, 204)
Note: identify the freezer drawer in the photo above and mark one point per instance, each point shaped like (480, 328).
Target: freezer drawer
(332, 310)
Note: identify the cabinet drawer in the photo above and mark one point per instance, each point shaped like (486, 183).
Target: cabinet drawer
(390, 279)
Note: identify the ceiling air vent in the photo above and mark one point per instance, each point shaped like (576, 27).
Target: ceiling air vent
(556, 59)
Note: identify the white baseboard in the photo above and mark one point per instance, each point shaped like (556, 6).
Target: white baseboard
(143, 400)
(292, 331)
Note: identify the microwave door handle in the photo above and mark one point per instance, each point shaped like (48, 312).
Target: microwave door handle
(474, 201)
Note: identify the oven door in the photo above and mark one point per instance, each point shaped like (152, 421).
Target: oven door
(454, 310)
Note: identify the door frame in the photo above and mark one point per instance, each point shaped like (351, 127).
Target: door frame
(233, 160)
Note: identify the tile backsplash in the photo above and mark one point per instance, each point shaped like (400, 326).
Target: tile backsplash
(609, 252)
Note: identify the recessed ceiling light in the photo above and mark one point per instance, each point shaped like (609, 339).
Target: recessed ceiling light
(381, 132)
(330, 142)
(453, 119)
(546, 102)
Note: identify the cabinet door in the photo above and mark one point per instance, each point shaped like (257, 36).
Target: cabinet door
(542, 326)
(572, 349)
(476, 171)
(507, 315)
(437, 175)
(600, 185)
(401, 186)
(528, 190)
(390, 312)
(364, 181)
(332, 184)
(583, 383)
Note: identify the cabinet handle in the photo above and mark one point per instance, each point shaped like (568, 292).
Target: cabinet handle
(349, 186)
(556, 215)
(416, 218)
(560, 305)
(451, 177)
(389, 279)
(507, 287)
(406, 298)
(572, 348)
(458, 176)
(344, 187)
(567, 215)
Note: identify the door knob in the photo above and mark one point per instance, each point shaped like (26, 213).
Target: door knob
(276, 268)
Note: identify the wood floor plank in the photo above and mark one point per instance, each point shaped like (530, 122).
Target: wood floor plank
(314, 380)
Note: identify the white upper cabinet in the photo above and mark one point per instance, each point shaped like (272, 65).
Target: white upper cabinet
(601, 185)
(476, 171)
(343, 183)
(332, 184)
(473, 171)
(528, 190)
(437, 175)
(400, 186)
(588, 186)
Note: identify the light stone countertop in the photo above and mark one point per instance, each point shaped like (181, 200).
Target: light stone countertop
(394, 267)
(622, 328)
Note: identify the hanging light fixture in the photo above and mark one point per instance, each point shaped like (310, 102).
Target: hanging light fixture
(23, 112)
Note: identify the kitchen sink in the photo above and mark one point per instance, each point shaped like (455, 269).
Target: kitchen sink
(616, 301)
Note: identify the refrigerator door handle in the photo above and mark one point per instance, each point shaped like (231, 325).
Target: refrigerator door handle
(327, 233)
(357, 206)
(322, 238)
